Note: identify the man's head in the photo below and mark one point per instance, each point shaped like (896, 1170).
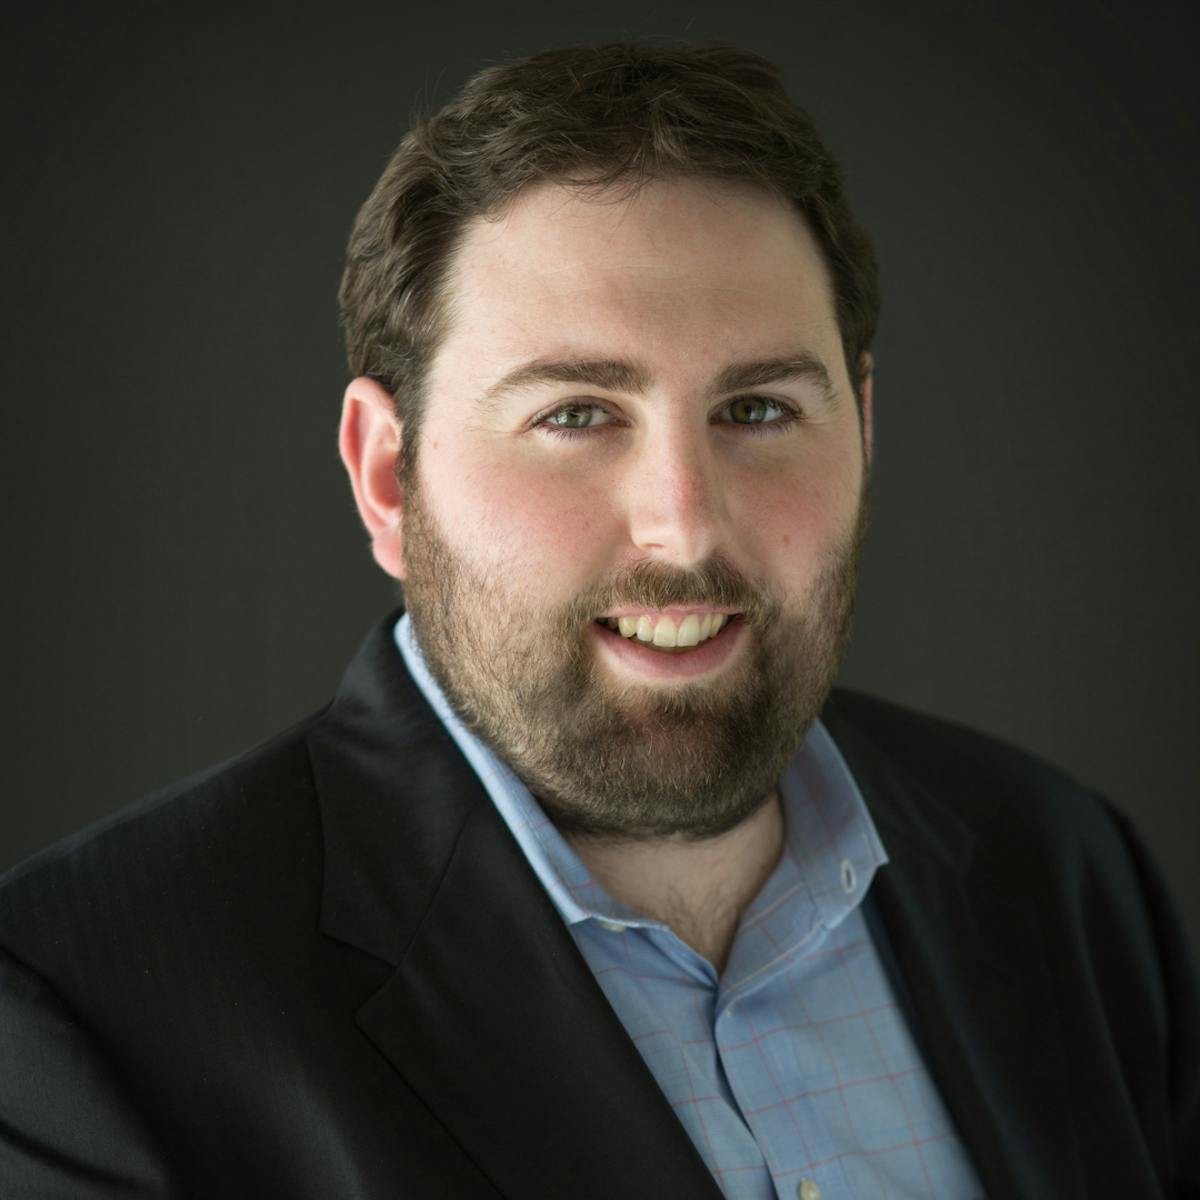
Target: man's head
(644, 392)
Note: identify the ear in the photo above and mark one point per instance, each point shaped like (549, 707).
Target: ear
(369, 443)
(868, 414)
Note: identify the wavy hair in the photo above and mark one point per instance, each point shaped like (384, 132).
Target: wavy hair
(591, 117)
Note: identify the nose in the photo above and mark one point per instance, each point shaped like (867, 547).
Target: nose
(675, 494)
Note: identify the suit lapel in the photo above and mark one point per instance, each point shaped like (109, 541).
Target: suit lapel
(491, 1015)
(970, 961)
(520, 1053)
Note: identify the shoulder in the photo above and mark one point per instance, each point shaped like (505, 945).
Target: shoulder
(1035, 833)
(179, 854)
(994, 787)
(1033, 830)
(938, 750)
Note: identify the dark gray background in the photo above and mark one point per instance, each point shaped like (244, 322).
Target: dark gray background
(185, 570)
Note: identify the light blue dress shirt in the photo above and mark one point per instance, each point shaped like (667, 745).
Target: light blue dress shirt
(793, 1072)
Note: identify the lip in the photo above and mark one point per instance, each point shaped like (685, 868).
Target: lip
(634, 657)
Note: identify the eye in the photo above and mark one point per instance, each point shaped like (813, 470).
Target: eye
(752, 415)
(574, 420)
(755, 410)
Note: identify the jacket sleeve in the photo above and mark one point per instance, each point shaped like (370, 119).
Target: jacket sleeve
(66, 1129)
(1182, 991)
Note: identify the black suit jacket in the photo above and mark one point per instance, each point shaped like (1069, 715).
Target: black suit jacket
(324, 969)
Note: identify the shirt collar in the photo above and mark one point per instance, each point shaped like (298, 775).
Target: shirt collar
(831, 841)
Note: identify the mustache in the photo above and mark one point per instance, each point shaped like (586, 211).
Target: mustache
(649, 585)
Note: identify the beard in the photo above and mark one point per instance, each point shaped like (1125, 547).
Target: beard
(616, 760)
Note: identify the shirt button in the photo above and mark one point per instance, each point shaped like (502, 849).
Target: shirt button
(849, 879)
(808, 1190)
(613, 927)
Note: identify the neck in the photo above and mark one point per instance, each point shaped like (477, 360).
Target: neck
(698, 888)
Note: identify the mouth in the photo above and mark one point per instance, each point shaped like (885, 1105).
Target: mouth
(675, 631)
(670, 646)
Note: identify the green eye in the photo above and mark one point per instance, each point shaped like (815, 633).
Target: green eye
(578, 416)
(752, 410)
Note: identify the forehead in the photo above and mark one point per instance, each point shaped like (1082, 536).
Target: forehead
(678, 272)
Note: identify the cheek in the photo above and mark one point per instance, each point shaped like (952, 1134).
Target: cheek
(545, 523)
(785, 522)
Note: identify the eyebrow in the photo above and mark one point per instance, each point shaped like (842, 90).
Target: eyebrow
(620, 375)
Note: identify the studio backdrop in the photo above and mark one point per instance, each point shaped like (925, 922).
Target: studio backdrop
(186, 573)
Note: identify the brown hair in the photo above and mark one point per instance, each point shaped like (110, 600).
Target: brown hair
(594, 116)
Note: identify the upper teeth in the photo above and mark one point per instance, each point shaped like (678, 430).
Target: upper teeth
(662, 630)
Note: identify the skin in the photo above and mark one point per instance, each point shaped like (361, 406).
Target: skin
(510, 539)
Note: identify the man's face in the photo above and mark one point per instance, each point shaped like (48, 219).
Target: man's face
(623, 469)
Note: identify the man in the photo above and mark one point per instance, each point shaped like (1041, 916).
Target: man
(586, 884)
